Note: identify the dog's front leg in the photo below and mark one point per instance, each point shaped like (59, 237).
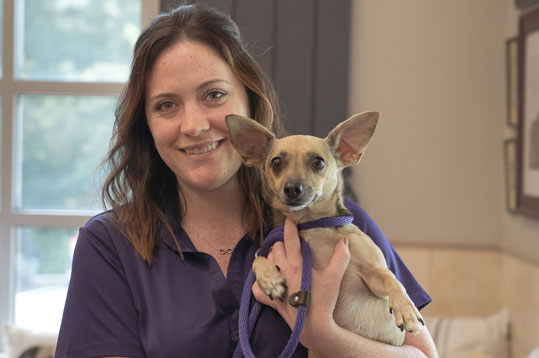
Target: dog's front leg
(269, 278)
(383, 283)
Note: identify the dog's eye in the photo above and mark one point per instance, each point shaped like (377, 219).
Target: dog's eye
(276, 164)
(318, 163)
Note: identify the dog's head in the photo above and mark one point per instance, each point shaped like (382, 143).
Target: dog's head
(303, 172)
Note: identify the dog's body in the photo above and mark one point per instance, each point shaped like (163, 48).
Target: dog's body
(304, 184)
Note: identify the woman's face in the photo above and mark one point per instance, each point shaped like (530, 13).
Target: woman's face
(189, 91)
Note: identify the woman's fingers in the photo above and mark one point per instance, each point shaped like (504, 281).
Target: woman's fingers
(287, 253)
(292, 245)
(277, 253)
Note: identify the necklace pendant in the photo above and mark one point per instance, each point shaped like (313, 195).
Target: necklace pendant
(225, 251)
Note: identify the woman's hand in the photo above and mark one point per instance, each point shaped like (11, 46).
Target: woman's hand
(325, 284)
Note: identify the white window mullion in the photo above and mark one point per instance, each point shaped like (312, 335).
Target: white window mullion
(49, 219)
(71, 88)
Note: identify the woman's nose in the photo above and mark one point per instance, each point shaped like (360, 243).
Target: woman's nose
(194, 120)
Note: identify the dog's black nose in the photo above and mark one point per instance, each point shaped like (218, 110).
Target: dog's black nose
(293, 190)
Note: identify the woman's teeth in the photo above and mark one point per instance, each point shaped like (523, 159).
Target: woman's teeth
(201, 150)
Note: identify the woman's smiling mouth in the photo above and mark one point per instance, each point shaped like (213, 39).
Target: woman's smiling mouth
(202, 149)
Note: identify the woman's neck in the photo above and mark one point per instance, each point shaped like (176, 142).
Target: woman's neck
(214, 221)
(205, 208)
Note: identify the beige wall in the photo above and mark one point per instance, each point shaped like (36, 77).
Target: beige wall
(433, 173)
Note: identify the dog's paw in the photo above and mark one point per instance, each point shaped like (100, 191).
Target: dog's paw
(407, 316)
(269, 278)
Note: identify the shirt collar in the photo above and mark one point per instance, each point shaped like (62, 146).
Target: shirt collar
(179, 234)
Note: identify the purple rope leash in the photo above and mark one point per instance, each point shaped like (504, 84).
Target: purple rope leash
(247, 320)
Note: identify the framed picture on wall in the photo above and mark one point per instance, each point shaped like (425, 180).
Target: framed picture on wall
(510, 166)
(511, 60)
(528, 124)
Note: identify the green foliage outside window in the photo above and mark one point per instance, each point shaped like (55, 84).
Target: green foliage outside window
(64, 139)
(79, 40)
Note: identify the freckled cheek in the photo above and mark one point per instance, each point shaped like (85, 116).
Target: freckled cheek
(232, 153)
(220, 121)
(239, 107)
(162, 134)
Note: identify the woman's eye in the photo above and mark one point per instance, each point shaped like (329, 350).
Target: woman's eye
(318, 163)
(276, 164)
(215, 95)
(165, 106)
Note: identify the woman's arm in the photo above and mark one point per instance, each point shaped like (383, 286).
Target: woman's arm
(321, 334)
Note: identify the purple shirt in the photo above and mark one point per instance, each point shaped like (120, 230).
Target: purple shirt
(118, 305)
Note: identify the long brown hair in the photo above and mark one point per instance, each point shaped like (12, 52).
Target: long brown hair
(140, 186)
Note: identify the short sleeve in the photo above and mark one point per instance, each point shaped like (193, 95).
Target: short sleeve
(100, 318)
(366, 224)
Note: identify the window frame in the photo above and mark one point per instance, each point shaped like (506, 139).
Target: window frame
(10, 88)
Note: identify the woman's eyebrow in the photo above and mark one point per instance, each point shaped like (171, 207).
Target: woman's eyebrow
(162, 96)
(211, 82)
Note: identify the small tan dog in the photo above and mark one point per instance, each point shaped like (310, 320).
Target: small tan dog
(304, 184)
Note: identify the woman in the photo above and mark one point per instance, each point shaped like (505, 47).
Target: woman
(161, 274)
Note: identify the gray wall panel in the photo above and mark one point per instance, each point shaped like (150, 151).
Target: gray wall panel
(294, 62)
(223, 5)
(332, 63)
(167, 5)
(256, 19)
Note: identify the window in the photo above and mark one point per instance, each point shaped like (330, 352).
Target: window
(63, 65)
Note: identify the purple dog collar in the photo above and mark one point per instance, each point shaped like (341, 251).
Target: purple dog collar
(247, 320)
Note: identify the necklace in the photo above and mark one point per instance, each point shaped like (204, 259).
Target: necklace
(225, 251)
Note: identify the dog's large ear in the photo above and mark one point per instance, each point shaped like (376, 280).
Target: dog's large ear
(251, 139)
(350, 138)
